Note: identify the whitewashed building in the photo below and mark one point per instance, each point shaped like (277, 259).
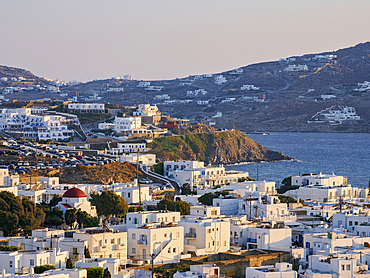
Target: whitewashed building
(280, 270)
(20, 122)
(86, 107)
(146, 110)
(163, 243)
(206, 235)
(19, 262)
(104, 243)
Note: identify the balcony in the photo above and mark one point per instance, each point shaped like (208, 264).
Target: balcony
(142, 242)
(191, 235)
(75, 257)
(252, 240)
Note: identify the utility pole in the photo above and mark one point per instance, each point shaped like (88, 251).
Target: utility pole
(250, 206)
(152, 261)
(137, 176)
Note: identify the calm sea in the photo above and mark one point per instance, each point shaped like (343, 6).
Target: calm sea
(343, 154)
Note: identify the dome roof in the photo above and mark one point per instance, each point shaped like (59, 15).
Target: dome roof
(74, 193)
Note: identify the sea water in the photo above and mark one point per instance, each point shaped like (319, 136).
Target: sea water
(345, 154)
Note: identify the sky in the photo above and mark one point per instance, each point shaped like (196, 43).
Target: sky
(165, 39)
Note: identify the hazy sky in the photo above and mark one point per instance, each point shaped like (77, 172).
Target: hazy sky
(149, 39)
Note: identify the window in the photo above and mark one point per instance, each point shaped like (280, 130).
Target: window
(119, 241)
(343, 267)
(100, 243)
(10, 263)
(40, 261)
(133, 250)
(213, 243)
(173, 219)
(169, 250)
(165, 235)
(209, 231)
(32, 262)
(348, 267)
(112, 241)
(133, 236)
(350, 223)
(174, 250)
(154, 237)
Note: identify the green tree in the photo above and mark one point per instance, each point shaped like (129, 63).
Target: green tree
(9, 248)
(87, 253)
(53, 218)
(18, 215)
(69, 264)
(186, 189)
(286, 199)
(168, 203)
(106, 273)
(94, 272)
(207, 199)
(109, 204)
(42, 268)
(84, 218)
(70, 217)
(55, 200)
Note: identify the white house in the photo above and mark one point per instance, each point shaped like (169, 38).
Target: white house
(143, 84)
(86, 107)
(145, 159)
(280, 270)
(249, 87)
(345, 265)
(236, 71)
(131, 193)
(220, 79)
(206, 235)
(139, 219)
(104, 243)
(198, 176)
(164, 243)
(20, 122)
(127, 123)
(112, 264)
(200, 271)
(296, 68)
(19, 262)
(130, 147)
(146, 110)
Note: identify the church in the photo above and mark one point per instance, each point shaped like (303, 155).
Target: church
(76, 198)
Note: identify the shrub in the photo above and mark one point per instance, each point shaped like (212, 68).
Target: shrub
(94, 272)
(42, 268)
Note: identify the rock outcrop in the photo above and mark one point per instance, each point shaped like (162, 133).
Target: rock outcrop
(218, 147)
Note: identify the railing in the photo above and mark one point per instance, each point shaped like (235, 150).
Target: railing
(75, 256)
(22, 270)
(191, 235)
(142, 242)
(252, 240)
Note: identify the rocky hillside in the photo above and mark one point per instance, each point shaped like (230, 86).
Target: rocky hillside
(219, 147)
(106, 174)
